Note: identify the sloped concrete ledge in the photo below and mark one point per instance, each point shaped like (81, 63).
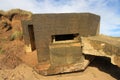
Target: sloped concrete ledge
(103, 46)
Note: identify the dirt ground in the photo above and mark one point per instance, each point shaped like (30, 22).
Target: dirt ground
(99, 69)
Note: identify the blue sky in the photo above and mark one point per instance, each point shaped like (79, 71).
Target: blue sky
(109, 10)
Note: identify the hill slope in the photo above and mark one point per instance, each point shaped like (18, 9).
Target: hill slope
(11, 44)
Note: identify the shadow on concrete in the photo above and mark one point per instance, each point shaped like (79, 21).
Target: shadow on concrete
(103, 64)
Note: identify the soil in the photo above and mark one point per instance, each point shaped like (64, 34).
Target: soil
(11, 43)
(99, 69)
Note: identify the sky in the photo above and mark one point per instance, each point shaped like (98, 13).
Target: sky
(109, 10)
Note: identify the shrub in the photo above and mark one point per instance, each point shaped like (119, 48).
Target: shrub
(1, 51)
(16, 35)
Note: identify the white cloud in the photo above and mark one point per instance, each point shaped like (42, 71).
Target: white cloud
(109, 10)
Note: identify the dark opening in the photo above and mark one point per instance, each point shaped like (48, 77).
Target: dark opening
(32, 38)
(65, 37)
(12, 16)
(1, 16)
(104, 64)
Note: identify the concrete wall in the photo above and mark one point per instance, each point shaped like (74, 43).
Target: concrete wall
(65, 55)
(46, 25)
(26, 35)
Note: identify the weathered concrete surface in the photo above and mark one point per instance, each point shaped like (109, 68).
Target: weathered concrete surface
(54, 36)
(64, 58)
(103, 46)
(47, 25)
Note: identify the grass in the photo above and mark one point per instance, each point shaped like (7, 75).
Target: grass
(2, 12)
(3, 39)
(2, 51)
(15, 11)
(16, 35)
(18, 11)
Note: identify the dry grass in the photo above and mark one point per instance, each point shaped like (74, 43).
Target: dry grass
(18, 11)
(16, 35)
(1, 51)
(15, 11)
(2, 12)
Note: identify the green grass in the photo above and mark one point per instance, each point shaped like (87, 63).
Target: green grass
(16, 35)
(2, 51)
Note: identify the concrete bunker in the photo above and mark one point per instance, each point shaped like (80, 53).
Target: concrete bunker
(57, 39)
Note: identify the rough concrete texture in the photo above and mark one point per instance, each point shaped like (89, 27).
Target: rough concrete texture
(103, 46)
(26, 35)
(56, 37)
(47, 25)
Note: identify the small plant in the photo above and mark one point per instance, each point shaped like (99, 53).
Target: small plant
(1, 51)
(16, 35)
(3, 39)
